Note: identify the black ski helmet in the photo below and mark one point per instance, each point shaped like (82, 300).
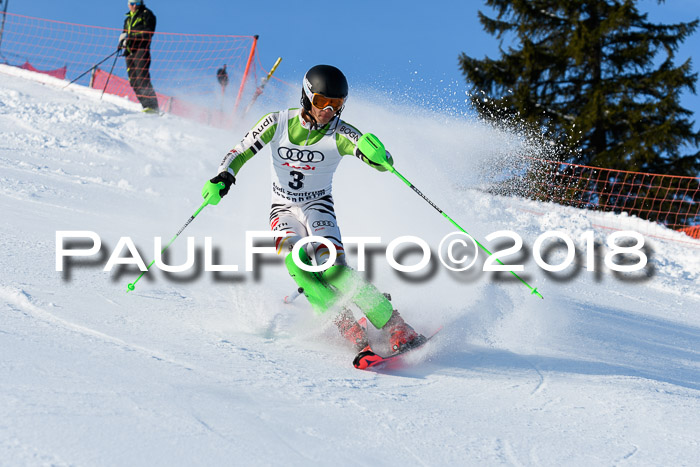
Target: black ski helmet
(323, 79)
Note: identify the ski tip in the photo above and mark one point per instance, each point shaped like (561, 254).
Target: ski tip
(366, 359)
(536, 293)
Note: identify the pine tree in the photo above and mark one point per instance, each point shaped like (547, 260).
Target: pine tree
(597, 75)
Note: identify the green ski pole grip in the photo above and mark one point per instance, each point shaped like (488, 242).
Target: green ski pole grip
(211, 192)
(374, 150)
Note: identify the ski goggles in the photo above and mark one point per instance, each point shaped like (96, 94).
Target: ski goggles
(322, 102)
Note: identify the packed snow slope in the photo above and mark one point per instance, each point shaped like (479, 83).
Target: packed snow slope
(204, 368)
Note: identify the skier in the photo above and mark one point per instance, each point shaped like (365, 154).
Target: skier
(135, 40)
(307, 145)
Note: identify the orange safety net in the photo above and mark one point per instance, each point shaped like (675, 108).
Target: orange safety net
(121, 87)
(672, 201)
(183, 67)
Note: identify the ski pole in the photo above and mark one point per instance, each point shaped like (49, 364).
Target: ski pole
(208, 199)
(92, 67)
(374, 150)
(110, 74)
(259, 90)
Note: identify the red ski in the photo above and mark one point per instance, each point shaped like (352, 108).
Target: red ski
(368, 359)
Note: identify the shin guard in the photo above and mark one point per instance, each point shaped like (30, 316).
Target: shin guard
(317, 292)
(366, 296)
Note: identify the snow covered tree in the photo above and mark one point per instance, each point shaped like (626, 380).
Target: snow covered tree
(597, 76)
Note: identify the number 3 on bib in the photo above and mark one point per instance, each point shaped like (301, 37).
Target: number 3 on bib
(297, 182)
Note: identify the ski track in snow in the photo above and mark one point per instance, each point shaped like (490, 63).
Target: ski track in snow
(215, 370)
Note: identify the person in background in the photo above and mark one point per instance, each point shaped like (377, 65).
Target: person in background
(222, 77)
(135, 41)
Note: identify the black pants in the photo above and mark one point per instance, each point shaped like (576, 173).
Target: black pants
(137, 66)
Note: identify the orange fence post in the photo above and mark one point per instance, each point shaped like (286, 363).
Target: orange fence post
(245, 73)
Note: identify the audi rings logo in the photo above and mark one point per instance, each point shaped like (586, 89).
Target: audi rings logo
(300, 155)
(322, 224)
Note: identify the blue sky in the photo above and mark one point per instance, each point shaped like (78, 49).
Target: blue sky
(410, 45)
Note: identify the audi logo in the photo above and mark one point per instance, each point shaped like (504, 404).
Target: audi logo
(299, 155)
(322, 224)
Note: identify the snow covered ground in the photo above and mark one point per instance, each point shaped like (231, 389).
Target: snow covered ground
(204, 368)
